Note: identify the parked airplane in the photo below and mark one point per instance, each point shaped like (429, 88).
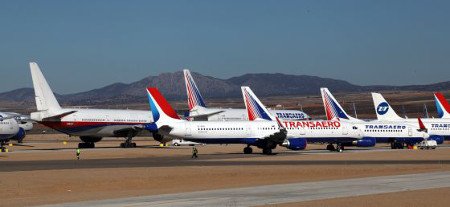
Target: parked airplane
(199, 111)
(437, 128)
(264, 134)
(91, 125)
(9, 129)
(396, 133)
(315, 131)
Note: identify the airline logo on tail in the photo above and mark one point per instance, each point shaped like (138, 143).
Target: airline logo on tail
(194, 96)
(332, 108)
(382, 108)
(159, 106)
(442, 106)
(255, 109)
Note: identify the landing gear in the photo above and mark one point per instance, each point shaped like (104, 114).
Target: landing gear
(86, 145)
(339, 148)
(330, 147)
(397, 145)
(267, 151)
(2, 147)
(248, 150)
(128, 142)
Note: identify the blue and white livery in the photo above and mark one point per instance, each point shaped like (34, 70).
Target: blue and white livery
(384, 131)
(438, 128)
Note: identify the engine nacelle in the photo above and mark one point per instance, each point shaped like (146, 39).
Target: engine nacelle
(365, 142)
(295, 143)
(20, 135)
(161, 138)
(89, 139)
(437, 138)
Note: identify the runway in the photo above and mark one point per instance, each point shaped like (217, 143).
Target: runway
(284, 193)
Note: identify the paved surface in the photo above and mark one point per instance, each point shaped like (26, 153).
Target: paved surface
(285, 193)
(178, 161)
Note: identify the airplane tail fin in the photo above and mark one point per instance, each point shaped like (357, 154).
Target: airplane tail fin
(442, 105)
(332, 107)
(161, 109)
(193, 94)
(383, 110)
(255, 109)
(45, 99)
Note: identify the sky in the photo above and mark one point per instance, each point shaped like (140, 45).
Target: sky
(87, 44)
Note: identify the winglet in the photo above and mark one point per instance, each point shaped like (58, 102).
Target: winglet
(421, 125)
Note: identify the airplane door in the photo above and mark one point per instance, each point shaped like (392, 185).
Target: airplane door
(410, 133)
(188, 132)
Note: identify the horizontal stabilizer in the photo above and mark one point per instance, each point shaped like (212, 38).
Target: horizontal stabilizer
(58, 117)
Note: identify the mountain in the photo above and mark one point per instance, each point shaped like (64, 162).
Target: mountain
(172, 86)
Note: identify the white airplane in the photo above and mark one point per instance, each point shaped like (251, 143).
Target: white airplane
(396, 133)
(264, 134)
(199, 111)
(315, 131)
(91, 125)
(437, 128)
(9, 129)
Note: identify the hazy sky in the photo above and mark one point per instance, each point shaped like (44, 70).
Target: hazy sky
(82, 45)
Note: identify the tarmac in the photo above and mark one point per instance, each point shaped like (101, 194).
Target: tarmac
(284, 193)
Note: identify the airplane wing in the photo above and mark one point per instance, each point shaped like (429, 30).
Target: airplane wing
(134, 130)
(277, 137)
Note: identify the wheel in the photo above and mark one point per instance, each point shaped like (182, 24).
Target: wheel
(134, 145)
(393, 145)
(339, 148)
(122, 145)
(248, 150)
(330, 147)
(176, 144)
(267, 151)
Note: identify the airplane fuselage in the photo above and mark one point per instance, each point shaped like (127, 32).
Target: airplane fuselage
(95, 122)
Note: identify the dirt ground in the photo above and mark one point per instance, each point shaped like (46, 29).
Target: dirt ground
(33, 187)
(436, 197)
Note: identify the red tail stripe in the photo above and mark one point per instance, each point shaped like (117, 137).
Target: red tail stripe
(443, 101)
(162, 102)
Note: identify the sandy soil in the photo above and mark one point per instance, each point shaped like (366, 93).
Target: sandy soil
(23, 188)
(437, 197)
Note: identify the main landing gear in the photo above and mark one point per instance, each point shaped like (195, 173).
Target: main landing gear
(248, 150)
(2, 146)
(128, 142)
(397, 145)
(339, 147)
